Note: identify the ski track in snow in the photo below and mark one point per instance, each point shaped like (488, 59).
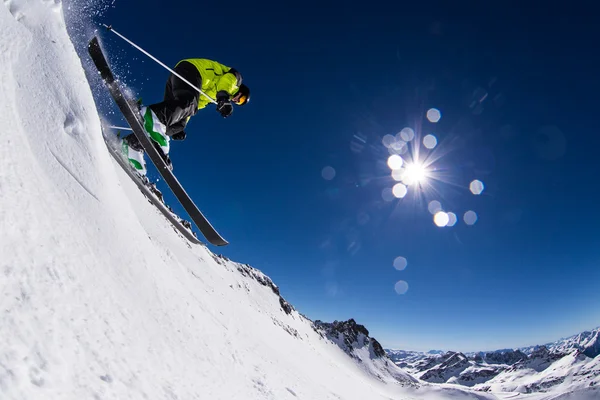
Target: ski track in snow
(100, 298)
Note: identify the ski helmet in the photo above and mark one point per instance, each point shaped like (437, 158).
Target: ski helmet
(242, 96)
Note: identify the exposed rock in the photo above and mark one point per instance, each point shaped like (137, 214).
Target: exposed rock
(251, 272)
(506, 357)
(349, 335)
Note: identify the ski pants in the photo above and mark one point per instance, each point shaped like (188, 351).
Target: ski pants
(181, 100)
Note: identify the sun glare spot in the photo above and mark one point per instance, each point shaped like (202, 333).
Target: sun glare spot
(429, 141)
(470, 217)
(414, 173)
(476, 187)
(399, 190)
(395, 162)
(434, 115)
(441, 219)
(400, 263)
(407, 134)
(434, 206)
(401, 287)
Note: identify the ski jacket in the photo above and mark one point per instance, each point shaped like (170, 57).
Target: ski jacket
(216, 77)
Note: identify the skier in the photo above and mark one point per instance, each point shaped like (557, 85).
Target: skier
(168, 119)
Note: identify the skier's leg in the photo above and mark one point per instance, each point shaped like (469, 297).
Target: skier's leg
(155, 129)
(182, 96)
(180, 100)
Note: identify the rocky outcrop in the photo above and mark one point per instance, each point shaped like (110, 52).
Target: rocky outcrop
(505, 357)
(452, 365)
(538, 360)
(349, 336)
(251, 272)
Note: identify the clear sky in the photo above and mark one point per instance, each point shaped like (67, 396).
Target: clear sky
(298, 180)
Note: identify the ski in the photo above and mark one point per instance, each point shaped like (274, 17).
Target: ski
(134, 121)
(124, 164)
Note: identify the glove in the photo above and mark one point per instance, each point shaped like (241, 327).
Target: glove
(181, 135)
(224, 106)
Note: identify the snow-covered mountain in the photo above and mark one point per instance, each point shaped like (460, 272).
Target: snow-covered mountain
(354, 340)
(588, 342)
(451, 364)
(102, 299)
(558, 367)
(574, 371)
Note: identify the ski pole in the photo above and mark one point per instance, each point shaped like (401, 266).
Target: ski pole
(120, 127)
(110, 28)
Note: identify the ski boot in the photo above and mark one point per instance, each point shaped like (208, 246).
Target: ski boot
(157, 131)
(164, 156)
(133, 150)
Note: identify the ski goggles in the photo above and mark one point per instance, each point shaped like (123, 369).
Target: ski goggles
(240, 99)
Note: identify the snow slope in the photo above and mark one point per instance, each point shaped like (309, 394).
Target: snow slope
(100, 297)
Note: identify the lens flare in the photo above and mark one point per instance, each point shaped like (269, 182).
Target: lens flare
(399, 146)
(418, 170)
(429, 142)
(434, 115)
(399, 190)
(388, 140)
(441, 219)
(452, 219)
(476, 187)
(470, 217)
(328, 173)
(434, 206)
(407, 134)
(398, 174)
(400, 263)
(401, 287)
(395, 162)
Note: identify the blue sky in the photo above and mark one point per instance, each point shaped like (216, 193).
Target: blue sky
(518, 98)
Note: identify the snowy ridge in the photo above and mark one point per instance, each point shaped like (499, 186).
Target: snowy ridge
(255, 274)
(567, 365)
(572, 372)
(354, 340)
(587, 342)
(453, 364)
(101, 297)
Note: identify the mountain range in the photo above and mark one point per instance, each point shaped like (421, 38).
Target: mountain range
(564, 365)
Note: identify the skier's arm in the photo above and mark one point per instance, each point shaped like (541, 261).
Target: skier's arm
(229, 83)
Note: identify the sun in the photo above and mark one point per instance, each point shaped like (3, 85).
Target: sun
(415, 173)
